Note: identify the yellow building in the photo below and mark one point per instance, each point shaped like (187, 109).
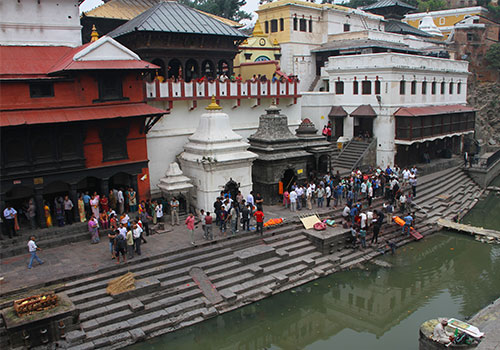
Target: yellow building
(445, 19)
(258, 55)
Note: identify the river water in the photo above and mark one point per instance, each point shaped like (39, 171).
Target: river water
(447, 274)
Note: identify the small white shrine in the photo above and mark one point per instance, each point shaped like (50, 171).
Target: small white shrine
(214, 156)
(175, 184)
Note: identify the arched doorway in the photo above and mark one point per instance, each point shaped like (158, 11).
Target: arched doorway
(89, 184)
(174, 69)
(232, 187)
(161, 73)
(288, 179)
(224, 68)
(120, 180)
(207, 69)
(192, 70)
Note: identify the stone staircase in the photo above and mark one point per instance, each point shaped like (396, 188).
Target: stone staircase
(167, 298)
(48, 237)
(350, 155)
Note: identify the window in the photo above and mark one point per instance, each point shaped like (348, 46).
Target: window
(303, 25)
(282, 24)
(114, 144)
(402, 87)
(266, 26)
(424, 88)
(295, 23)
(339, 87)
(433, 88)
(110, 88)
(459, 87)
(366, 87)
(413, 87)
(310, 26)
(347, 27)
(451, 88)
(41, 90)
(442, 88)
(274, 25)
(355, 87)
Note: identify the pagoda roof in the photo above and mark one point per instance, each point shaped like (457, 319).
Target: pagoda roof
(128, 9)
(398, 27)
(172, 17)
(388, 4)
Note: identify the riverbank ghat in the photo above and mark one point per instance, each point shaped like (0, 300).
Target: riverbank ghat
(488, 321)
(172, 279)
(490, 235)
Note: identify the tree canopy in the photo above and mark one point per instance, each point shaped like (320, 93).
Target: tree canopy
(493, 56)
(230, 9)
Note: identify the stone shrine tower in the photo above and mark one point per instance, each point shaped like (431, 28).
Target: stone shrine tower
(214, 156)
(281, 155)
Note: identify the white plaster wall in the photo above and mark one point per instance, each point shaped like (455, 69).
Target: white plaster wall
(46, 22)
(211, 181)
(168, 137)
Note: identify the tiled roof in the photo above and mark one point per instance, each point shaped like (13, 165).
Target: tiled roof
(395, 26)
(128, 9)
(172, 17)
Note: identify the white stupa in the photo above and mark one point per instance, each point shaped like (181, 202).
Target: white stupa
(215, 155)
(427, 25)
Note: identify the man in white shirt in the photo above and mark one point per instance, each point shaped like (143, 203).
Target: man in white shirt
(293, 200)
(9, 214)
(440, 335)
(121, 201)
(32, 248)
(136, 233)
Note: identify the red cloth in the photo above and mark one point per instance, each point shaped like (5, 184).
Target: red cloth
(259, 216)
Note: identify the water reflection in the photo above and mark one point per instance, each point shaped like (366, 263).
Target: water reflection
(459, 274)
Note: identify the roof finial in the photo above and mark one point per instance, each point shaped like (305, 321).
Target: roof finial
(213, 106)
(94, 36)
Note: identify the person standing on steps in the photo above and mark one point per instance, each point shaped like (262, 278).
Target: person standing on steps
(174, 211)
(259, 218)
(32, 247)
(9, 214)
(190, 227)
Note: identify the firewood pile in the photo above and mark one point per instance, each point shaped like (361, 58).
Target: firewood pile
(35, 303)
(121, 284)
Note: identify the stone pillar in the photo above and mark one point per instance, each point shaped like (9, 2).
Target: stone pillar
(104, 186)
(74, 198)
(40, 211)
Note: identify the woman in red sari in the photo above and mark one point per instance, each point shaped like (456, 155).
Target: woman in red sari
(104, 203)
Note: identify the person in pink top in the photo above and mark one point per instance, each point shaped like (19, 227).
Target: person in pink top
(190, 226)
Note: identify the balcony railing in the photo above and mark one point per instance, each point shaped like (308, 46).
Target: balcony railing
(176, 91)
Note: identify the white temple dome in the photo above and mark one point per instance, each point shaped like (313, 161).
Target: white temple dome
(427, 25)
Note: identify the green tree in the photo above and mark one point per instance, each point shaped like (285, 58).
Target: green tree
(230, 9)
(431, 5)
(493, 56)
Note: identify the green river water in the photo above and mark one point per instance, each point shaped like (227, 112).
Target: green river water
(447, 274)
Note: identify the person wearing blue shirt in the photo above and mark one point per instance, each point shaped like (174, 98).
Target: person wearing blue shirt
(408, 221)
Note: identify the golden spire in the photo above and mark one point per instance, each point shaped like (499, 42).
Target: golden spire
(94, 36)
(213, 106)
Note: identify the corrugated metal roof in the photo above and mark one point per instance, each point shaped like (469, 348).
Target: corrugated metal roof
(172, 17)
(431, 110)
(388, 3)
(362, 44)
(128, 9)
(395, 26)
(64, 115)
